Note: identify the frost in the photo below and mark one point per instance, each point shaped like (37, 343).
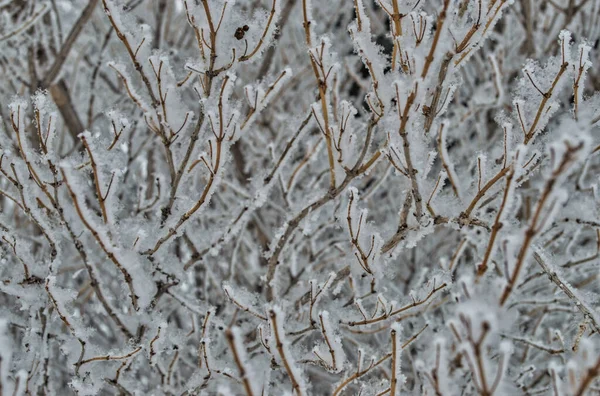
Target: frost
(279, 197)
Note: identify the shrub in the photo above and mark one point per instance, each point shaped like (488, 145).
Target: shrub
(295, 197)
